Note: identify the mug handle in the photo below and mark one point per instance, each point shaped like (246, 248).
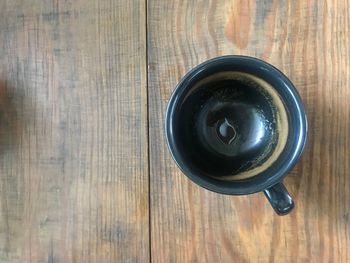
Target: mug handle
(280, 199)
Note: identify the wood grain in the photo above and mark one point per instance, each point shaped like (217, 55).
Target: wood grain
(73, 131)
(309, 42)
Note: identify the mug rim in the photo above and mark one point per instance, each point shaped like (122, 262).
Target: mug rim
(246, 186)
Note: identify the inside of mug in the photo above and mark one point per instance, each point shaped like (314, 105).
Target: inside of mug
(231, 125)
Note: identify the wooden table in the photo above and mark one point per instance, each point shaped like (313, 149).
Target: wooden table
(85, 175)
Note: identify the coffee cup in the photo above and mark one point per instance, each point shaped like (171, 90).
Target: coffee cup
(236, 125)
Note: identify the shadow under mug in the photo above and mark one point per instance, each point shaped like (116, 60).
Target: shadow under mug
(236, 125)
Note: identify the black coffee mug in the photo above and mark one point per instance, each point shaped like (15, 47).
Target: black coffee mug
(236, 125)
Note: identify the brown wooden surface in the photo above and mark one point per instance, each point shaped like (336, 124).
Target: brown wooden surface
(73, 131)
(74, 180)
(309, 41)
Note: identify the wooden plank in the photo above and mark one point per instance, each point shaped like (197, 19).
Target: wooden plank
(73, 138)
(309, 41)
